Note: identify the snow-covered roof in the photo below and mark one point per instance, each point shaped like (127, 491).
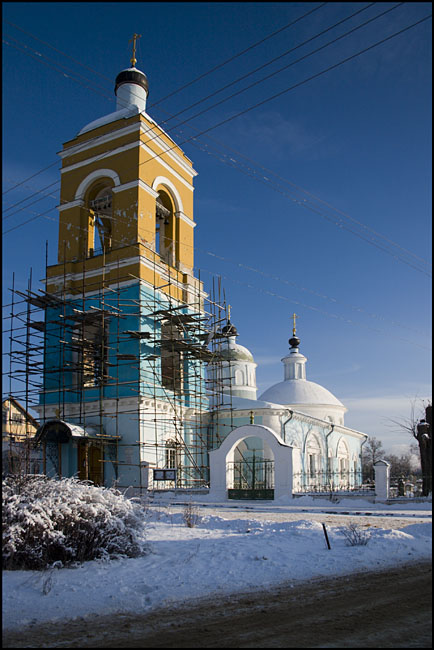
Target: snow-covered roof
(244, 404)
(111, 117)
(236, 352)
(297, 391)
(60, 431)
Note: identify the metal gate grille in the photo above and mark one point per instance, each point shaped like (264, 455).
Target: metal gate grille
(252, 479)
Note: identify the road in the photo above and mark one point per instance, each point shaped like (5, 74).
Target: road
(388, 609)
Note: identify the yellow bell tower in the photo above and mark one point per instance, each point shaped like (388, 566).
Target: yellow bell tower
(126, 201)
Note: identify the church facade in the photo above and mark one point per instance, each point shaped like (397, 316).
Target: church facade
(124, 357)
(297, 414)
(135, 366)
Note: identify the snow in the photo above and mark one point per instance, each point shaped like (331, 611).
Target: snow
(236, 547)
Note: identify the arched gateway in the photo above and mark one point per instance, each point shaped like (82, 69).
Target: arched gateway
(222, 461)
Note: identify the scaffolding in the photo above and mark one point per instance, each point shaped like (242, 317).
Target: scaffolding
(100, 357)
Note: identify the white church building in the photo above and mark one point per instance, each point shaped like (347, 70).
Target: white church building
(292, 439)
(123, 392)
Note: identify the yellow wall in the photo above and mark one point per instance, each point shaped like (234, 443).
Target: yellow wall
(133, 209)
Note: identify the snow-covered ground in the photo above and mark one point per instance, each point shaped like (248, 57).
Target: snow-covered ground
(237, 547)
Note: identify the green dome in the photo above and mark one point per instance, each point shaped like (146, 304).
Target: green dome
(236, 353)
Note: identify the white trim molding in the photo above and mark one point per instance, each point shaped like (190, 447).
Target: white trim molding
(138, 183)
(101, 156)
(93, 176)
(71, 204)
(162, 180)
(97, 141)
(184, 217)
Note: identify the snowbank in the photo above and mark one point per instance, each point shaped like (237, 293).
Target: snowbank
(219, 556)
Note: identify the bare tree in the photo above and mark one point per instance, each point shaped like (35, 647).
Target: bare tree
(421, 429)
(372, 451)
(399, 465)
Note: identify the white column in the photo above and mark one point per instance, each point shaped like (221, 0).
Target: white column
(283, 473)
(217, 475)
(382, 480)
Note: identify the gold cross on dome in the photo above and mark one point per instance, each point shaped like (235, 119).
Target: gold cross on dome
(294, 316)
(229, 312)
(133, 58)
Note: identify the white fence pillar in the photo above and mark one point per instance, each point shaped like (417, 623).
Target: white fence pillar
(382, 480)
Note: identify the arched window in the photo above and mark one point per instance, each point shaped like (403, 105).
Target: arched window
(100, 219)
(90, 352)
(343, 457)
(171, 357)
(165, 228)
(313, 456)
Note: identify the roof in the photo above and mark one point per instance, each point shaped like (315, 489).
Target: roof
(300, 391)
(21, 408)
(60, 431)
(111, 117)
(235, 352)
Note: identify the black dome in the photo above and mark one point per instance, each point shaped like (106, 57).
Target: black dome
(229, 329)
(294, 342)
(132, 76)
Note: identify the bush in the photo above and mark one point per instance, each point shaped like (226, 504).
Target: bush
(49, 522)
(191, 515)
(355, 535)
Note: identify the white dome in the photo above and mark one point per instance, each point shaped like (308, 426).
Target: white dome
(233, 371)
(296, 391)
(236, 352)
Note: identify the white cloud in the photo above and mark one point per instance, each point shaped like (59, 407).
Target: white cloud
(376, 416)
(272, 131)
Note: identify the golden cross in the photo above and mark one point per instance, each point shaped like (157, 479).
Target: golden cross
(133, 59)
(229, 312)
(294, 316)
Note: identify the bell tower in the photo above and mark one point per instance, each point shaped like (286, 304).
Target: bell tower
(124, 347)
(126, 199)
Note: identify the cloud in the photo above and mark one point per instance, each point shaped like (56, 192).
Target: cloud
(399, 404)
(377, 416)
(355, 367)
(279, 135)
(268, 360)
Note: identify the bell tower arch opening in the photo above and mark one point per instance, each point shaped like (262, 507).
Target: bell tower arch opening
(100, 208)
(165, 227)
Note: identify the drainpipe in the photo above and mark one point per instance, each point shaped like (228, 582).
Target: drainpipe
(361, 469)
(286, 422)
(327, 448)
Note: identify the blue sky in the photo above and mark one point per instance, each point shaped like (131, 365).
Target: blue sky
(338, 169)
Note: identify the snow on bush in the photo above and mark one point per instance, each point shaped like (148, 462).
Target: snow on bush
(49, 522)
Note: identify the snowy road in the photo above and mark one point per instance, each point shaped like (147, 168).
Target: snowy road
(389, 609)
(270, 551)
(336, 515)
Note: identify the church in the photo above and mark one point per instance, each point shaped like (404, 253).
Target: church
(295, 418)
(144, 383)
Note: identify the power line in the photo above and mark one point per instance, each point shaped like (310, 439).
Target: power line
(28, 197)
(314, 76)
(30, 177)
(235, 56)
(208, 72)
(56, 49)
(301, 202)
(277, 279)
(264, 65)
(310, 307)
(160, 100)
